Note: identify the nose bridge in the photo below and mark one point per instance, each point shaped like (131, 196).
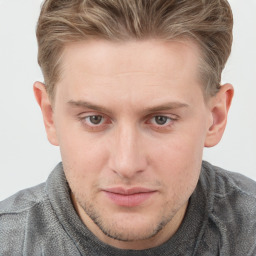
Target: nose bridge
(128, 157)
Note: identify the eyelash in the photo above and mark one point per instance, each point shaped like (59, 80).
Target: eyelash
(149, 120)
(162, 128)
(94, 127)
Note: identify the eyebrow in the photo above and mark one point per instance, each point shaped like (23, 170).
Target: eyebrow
(86, 104)
(167, 106)
(163, 107)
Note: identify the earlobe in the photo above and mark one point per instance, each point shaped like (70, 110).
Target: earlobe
(219, 105)
(44, 103)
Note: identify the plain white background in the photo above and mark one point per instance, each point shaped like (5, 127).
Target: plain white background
(26, 157)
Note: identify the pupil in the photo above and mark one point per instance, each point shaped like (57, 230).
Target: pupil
(95, 119)
(161, 120)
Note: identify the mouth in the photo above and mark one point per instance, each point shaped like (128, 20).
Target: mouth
(131, 197)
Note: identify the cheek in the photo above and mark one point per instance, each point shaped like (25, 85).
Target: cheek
(76, 145)
(178, 161)
(177, 150)
(180, 170)
(83, 165)
(83, 156)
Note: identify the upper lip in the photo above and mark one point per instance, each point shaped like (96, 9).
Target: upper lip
(128, 191)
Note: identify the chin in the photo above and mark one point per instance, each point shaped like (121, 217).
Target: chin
(130, 227)
(131, 232)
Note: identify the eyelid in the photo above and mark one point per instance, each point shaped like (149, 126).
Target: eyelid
(172, 119)
(171, 116)
(108, 121)
(101, 121)
(169, 119)
(94, 127)
(90, 113)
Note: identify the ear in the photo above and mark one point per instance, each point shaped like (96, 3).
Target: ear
(44, 103)
(219, 106)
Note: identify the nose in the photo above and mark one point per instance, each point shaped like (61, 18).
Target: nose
(128, 155)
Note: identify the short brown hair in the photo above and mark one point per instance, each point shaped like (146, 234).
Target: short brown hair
(208, 22)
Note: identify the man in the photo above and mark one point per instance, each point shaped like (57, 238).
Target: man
(131, 96)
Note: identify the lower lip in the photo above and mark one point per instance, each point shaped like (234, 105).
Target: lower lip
(129, 200)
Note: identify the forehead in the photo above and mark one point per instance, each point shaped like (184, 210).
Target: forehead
(133, 67)
(103, 57)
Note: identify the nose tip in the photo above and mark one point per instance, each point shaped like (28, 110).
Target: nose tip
(128, 158)
(127, 172)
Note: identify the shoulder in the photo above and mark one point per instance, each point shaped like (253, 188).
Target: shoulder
(14, 213)
(22, 200)
(227, 184)
(232, 209)
(232, 194)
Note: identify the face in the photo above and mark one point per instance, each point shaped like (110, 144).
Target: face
(131, 122)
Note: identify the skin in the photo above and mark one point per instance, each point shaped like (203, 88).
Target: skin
(153, 123)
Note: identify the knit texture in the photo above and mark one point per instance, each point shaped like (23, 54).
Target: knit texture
(220, 220)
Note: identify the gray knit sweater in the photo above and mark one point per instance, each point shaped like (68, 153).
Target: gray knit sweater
(220, 220)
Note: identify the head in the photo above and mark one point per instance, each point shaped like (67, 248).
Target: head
(132, 95)
(206, 22)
